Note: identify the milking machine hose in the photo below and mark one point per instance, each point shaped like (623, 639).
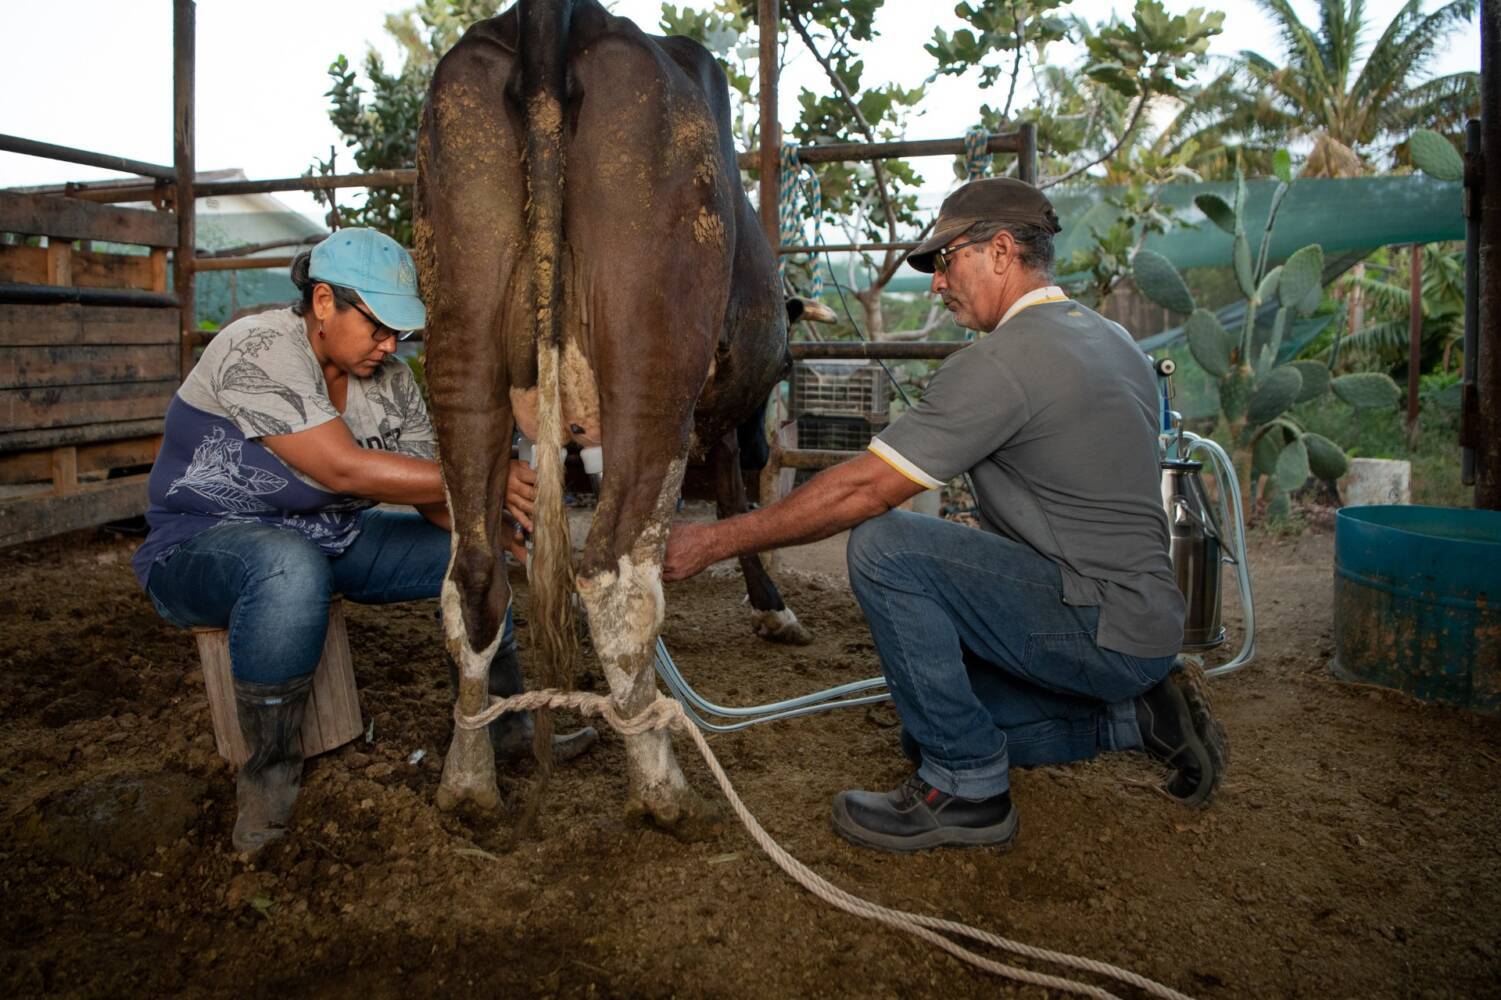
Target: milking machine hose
(792, 708)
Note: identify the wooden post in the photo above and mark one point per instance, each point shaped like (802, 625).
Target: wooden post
(1026, 160)
(1488, 374)
(65, 470)
(1414, 344)
(769, 17)
(1469, 411)
(183, 20)
(59, 261)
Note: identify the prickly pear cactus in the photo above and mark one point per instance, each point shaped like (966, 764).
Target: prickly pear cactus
(1273, 394)
(1326, 459)
(1256, 394)
(1160, 281)
(1367, 390)
(1435, 156)
(1212, 346)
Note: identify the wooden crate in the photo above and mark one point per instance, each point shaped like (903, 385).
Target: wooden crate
(83, 388)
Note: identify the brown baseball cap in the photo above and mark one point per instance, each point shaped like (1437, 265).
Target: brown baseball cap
(994, 199)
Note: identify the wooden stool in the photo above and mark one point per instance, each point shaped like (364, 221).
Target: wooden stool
(333, 711)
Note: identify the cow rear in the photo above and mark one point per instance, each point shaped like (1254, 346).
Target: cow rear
(591, 265)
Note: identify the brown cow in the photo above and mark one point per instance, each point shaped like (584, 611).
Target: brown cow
(594, 272)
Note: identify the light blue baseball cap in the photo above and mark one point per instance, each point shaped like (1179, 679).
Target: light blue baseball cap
(378, 268)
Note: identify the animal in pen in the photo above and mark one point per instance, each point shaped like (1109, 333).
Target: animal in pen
(596, 275)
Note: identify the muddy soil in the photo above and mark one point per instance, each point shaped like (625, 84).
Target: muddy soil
(1354, 851)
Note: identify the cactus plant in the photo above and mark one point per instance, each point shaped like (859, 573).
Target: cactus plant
(1255, 392)
(1435, 156)
(1153, 271)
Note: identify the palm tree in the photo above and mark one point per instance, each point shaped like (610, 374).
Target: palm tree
(1352, 108)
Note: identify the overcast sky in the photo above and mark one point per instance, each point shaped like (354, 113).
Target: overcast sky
(101, 78)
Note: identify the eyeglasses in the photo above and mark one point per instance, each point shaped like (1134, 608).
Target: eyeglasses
(381, 331)
(941, 258)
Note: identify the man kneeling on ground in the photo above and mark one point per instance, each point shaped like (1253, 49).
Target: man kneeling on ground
(1050, 635)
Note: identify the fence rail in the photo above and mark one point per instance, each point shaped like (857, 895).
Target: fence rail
(50, 151)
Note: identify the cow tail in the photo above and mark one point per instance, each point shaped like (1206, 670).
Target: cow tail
(544, 37)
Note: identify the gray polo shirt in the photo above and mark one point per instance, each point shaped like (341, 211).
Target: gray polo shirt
(1055, 415)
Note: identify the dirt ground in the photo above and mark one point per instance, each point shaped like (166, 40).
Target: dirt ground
(1353, 852)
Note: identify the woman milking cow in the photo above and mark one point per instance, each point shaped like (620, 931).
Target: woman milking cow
(292, 427)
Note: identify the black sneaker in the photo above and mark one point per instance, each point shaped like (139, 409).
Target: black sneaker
(1178, 729)
(916, 816)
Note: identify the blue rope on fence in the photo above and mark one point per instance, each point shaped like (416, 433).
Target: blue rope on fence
(976, 158)
(791, 227)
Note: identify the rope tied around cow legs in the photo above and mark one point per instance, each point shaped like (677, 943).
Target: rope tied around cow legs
(666, 713)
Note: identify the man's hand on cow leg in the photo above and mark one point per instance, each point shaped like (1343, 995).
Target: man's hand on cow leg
(690, 550)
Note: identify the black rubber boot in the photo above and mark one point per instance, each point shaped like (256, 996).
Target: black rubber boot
(511, 734)
(270, 718)
(1178, 729)
(916, 816)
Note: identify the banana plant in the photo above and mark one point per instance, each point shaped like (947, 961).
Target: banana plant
(1255, 392)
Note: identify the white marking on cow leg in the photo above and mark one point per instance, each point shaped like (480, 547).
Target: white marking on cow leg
(625, 607)
(625, 613)
(780, 626)
(469, 768)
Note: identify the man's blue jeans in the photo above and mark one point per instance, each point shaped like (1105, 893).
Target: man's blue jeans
(986, 664)
(270, 587)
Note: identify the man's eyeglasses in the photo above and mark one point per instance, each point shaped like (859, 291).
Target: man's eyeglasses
(941, 258)
(381, 331)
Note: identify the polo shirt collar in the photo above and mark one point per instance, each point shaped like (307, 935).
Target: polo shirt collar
(1037, 296)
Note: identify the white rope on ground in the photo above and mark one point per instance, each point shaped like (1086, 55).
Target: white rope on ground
(666, 713)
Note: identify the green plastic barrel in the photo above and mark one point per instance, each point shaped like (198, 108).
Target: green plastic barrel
(1416, 593)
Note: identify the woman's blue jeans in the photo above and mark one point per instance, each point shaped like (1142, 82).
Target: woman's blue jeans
(986, 664)
(270, 587)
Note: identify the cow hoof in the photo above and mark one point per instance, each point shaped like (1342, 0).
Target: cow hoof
(781, 627)
(469, 772)
(482, 799)
(685, 814)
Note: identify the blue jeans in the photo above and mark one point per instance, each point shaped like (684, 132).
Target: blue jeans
(986, 664)
(270, 586)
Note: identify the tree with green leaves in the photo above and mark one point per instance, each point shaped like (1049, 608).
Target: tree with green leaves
(1094, 117)
(1356, 105)
(378, 116)
(1091, 112)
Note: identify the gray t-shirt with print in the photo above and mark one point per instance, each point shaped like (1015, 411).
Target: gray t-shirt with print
(260, 372)
(1055, 417)
(259, 377)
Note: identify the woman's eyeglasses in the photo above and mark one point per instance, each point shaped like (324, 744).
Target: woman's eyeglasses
(381, 331)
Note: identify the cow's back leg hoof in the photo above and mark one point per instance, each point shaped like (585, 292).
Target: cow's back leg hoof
(660, 795)
(782, 627)
(469, 772)
(681, 812)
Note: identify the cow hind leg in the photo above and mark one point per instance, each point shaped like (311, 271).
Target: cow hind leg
(468, 231)
(625, 608)
(771, 619)
(469, 768)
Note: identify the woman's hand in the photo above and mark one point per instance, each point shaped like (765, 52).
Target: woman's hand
(521, 493)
